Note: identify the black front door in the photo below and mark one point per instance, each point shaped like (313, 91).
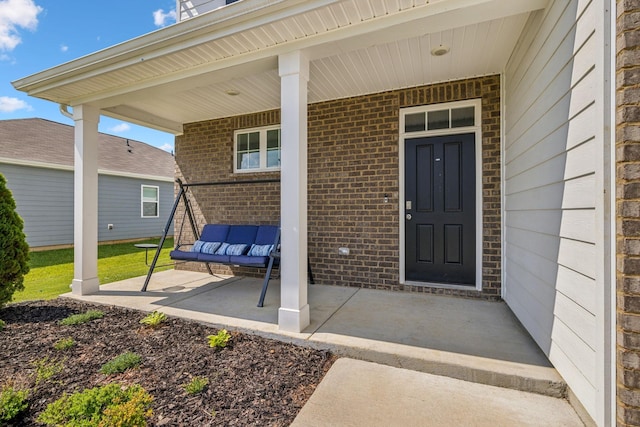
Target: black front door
(440, 209)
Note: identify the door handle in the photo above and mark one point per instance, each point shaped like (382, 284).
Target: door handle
(408, 217)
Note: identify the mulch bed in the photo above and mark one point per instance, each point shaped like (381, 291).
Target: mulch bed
(253, 381)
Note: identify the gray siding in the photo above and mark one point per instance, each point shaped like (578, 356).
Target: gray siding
(553, 159)
(119, 201)
(44, 199)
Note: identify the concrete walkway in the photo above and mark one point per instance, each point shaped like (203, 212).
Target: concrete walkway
(476, 341)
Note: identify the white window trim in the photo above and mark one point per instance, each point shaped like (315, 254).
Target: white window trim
(477, 129)
(263, 149)
(142, 201)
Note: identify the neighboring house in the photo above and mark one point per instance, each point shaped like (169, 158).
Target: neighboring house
(459, 147)
(135, 183)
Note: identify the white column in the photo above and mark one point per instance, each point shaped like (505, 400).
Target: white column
(293, 315)
(85, 196)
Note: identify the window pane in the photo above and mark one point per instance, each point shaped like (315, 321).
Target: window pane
(150, 193)
(438, 119)
(461, 117)
(149, 209)
(243, 140)
(254, 141)
(273, 158)
(248, 160)
(273, 138)
(414, 122)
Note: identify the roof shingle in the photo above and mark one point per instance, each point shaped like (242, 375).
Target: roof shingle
(41, 140)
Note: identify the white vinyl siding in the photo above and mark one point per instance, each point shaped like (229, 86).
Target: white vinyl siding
(552, 163)
(44, 200)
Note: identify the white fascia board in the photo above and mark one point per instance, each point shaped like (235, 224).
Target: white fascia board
(135, 175)
(143, 118)
(182, 35)
(35, 164)
(67, 168)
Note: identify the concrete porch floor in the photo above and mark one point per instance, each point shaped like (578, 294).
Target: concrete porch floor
(471, 340)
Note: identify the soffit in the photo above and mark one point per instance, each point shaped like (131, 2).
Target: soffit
(356, 47)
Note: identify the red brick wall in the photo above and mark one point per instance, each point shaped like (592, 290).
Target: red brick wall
(353, 162)
(628, 211)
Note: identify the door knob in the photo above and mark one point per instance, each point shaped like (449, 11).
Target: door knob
(408, 216)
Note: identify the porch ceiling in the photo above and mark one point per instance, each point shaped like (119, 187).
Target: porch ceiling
(181, 74)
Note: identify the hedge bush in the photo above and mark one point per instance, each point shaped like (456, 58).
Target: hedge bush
(14, 251)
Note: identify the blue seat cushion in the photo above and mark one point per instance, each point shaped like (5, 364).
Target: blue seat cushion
(242, 234)
(257, 261)
(266, 234)
(184, 255)
(214, 232)
(221, 259)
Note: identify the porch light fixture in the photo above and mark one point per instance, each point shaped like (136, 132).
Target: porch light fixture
(232, 92)
(440, 50)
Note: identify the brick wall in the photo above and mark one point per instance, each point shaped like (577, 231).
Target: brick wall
(628, 211)
(353, 162)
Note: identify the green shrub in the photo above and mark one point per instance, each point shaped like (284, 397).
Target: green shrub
(2, 325)
(14, 251)
(220, 340)
(77, 319)
(196, 385)
(121, 363)
(154, 319)
(12, 402)
(107, 406)
(47, 369)
(64, 344)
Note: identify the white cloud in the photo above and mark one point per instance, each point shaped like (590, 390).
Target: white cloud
(64, 48)
(16, 14)
(120, 128)
(160, 18)
(167, 147)
(9, 105)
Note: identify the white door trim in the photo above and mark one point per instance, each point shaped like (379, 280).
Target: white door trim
(477, 130)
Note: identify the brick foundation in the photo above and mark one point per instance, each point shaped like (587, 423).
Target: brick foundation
(352, 163)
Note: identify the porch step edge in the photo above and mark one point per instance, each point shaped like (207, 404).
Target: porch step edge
(517, 376)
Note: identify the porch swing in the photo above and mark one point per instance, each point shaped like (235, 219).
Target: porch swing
(256, 246)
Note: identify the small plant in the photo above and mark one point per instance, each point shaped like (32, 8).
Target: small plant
(109, 405)
(64, 344)
(12, 403)
(47, 369)
(154, 319)
(196, 385)
(121, 363)
(77, 319)
(2, 325)
(219, 340)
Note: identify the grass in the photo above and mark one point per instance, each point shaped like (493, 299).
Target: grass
(52, 271)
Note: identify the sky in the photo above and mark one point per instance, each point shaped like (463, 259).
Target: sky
(39, 34)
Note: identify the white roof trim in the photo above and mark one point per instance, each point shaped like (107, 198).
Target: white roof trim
(44, 165)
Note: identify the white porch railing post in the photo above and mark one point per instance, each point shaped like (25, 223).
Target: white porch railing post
(85, 219)
(293, 315)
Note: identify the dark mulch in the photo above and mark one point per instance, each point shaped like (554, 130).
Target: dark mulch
(254, 381)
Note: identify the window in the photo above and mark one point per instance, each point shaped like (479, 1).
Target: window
(150, 201)
(257, 150)
(440, 117)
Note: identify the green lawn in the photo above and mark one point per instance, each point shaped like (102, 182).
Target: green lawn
(52, 271)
